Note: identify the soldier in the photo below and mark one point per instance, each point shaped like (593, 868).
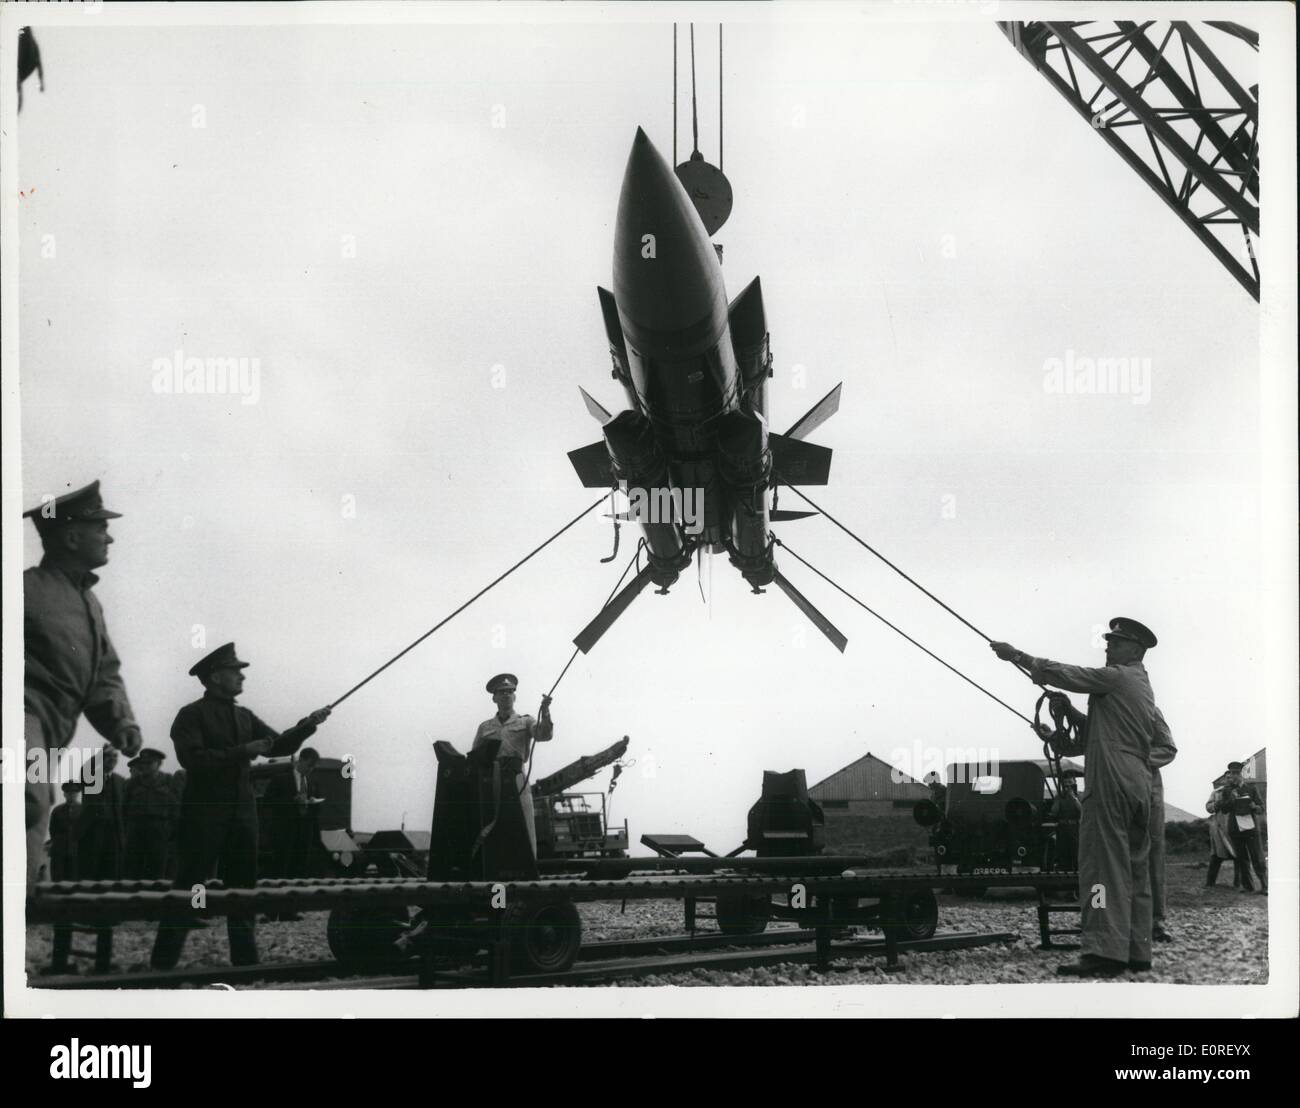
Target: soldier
(64, 826)
(151, 810)
(1114, 833)
(215, 741)
(101, 839)
(1163, 752)
(1221, 849)
(1244, 808)
(516, 732)
(70, 666)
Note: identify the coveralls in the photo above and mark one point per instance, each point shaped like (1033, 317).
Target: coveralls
(1114, 831)
(69, 668)
(515, 733)
(218, 820)
(1163, 752)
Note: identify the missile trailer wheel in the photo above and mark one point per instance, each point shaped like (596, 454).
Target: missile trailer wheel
(544, 936)
(738, 914)
(911, 915)
(362, 939)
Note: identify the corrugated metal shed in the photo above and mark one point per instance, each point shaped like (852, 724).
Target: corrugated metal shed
(869, 778)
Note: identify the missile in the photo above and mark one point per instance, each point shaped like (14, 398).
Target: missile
(694, 369)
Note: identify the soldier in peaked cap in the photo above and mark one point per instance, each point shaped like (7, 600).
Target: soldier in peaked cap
(515, 733)
(151, 809)
(70, 666)
(216, 740)
(1119, 732)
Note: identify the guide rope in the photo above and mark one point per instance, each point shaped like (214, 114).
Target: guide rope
(441, 623)
(904, 634)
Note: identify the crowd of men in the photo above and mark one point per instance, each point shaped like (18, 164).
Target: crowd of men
(189, 826)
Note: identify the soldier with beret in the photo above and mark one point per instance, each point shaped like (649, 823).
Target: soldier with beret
(515, 733)
(151, 811)
(1118, 732)
(70, 668)
(216, 740)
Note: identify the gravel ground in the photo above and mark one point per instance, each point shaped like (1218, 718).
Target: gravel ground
(1221, 937)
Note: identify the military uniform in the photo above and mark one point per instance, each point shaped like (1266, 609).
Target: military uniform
(151, 810)
(70, 668)
(1163, 752)
(218, 816)
(1114, 832)
(1243, 831)
(515, 734)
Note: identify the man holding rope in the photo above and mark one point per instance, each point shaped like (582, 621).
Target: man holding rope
(516, 733)
(1122, 725)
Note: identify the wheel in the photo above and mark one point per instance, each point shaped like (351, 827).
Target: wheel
(362, 938)
(912, 915)
(544, 936)
(738, 914)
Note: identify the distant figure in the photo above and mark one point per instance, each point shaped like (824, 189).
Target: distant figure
(1220, 842)
(65, 823)
(101, 841)
(29, 61)
(290, 804)
(1242, 803)
(151, 811)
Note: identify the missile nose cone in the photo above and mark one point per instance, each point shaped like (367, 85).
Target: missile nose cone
(667, 280)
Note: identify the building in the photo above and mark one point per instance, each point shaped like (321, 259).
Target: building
(868, 808)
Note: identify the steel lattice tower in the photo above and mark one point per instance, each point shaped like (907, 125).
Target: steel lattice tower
(1163, 100)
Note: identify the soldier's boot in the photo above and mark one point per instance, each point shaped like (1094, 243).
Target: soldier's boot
(243, 940)
(103, 950)
(168, 945)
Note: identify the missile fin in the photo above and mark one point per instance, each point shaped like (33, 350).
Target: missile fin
(824, 625)
(799, 463)
(818, 414)
(594, 406)
(787, 515)
(590, 635)
(593, 466)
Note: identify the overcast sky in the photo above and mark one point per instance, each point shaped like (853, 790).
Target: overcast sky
(405, 228)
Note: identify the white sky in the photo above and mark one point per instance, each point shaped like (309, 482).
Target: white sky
(481, 246)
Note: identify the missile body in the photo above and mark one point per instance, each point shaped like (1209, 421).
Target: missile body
(673, 315)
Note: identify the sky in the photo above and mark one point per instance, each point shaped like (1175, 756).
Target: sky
(404, 227)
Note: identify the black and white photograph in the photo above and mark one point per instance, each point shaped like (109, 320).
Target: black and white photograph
(736, 509)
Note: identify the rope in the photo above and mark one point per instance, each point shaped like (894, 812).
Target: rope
(719, 97)
(528, 770)
(448, 619)
(695, 118)
(867, 546)
(860, 604)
